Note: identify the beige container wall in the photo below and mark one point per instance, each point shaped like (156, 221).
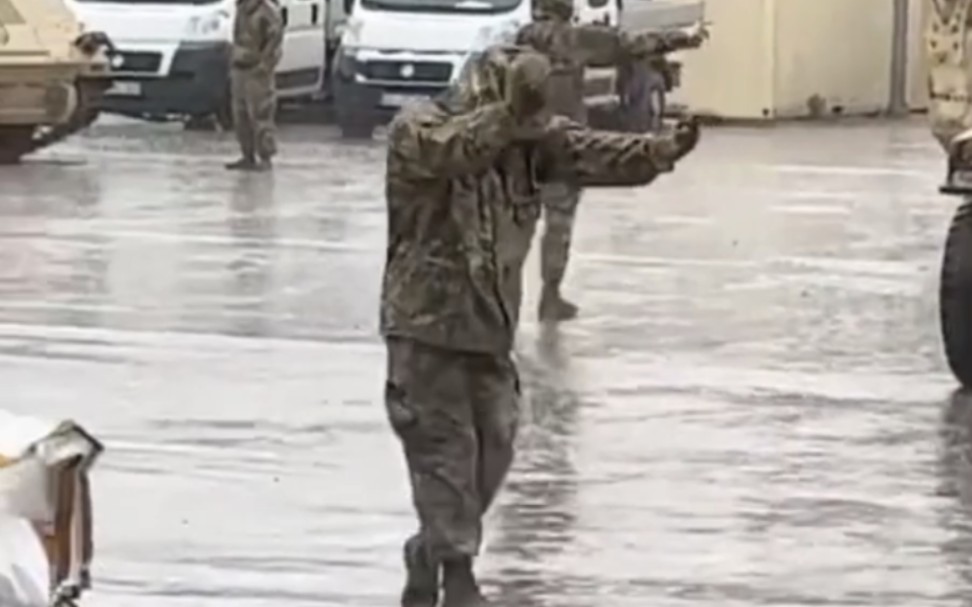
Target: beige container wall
(917, 62)
(732, 74)
(769, 58)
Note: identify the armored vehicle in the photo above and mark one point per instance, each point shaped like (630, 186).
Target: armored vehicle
(947, 38)
(52, 75)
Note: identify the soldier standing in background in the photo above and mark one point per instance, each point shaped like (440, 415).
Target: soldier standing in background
(570, 48)
(257, 47)
(463, 193)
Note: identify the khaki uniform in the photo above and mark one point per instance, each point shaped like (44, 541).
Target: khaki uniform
(464, 195)
(949, 45)
(570, 49)
(257, 47)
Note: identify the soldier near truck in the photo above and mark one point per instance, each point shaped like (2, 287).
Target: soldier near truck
(258, 32)
(463, 189)
(570, 49)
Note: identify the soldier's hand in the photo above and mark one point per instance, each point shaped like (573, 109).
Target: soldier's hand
(681, 40)
(675, 142)
(686, 135)
(698, 37)
(526, 86)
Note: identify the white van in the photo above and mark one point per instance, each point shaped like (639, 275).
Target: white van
(174, 54)
(393, 51)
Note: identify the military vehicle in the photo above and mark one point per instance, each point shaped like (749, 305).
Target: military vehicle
(955, 287)
(950, 110)
(52, 75)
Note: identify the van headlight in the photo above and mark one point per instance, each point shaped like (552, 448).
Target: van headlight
(208, 26)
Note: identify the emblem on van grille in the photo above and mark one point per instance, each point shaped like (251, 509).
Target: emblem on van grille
(408, 70)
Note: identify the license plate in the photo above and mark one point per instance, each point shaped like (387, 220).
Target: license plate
(126, 89)
(400, 99)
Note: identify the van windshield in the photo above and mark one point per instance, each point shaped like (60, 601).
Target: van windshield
(443, 6)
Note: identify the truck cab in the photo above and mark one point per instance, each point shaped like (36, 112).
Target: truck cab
(174, 55)
(395, 51)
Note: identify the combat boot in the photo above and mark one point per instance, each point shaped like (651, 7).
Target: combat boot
(243, 164)
(422, 585)
(459, 585)
(553, 307)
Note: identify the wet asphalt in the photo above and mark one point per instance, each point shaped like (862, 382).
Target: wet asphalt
(753, 408)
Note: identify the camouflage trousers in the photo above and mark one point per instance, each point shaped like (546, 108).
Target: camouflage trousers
(456, 415)
(560, 202)
(254, 98)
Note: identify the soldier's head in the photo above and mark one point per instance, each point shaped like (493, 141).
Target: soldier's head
(486, 75)
(560, 10)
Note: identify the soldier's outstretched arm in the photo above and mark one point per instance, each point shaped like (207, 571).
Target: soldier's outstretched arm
(602, 158)
(606, 46)
(425, 146)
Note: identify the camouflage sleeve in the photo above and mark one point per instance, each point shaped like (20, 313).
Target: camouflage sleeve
(425, 146)
(588, 157)
(271, 39)
(600, 45)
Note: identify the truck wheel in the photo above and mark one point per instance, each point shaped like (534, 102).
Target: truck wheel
(15, 143)
(355, 126)
(955, 294)
(224, 113)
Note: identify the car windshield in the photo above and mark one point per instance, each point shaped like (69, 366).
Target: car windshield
(443, 6)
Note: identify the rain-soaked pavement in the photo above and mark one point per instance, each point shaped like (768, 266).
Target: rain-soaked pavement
(753, 409)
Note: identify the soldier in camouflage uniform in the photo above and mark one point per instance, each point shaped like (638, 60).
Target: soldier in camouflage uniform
(570, 48)
(257, 42)
(463, 193)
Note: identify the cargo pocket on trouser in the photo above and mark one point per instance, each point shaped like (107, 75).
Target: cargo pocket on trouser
(497, 405)
(401, 416)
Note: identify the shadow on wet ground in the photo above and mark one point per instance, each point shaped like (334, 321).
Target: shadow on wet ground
(751, 410)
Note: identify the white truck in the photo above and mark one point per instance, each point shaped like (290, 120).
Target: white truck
(174, 54)
(394, 51)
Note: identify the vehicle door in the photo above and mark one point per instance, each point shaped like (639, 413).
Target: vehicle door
(301, 69)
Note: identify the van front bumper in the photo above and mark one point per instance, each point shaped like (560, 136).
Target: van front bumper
(197, 84)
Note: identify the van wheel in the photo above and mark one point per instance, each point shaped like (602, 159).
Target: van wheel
(955, 295)
(200, 123)
(224, 113)
(355, 126)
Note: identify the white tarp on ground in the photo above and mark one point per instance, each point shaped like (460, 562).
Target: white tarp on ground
(30, 449)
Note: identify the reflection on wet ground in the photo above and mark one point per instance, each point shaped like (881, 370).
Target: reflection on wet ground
(753, 408)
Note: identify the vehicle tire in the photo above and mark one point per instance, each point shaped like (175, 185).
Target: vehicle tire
(355, 126)
(224, 113)
(15, 143)
(200, 123)
(955, 294)
(220, 119)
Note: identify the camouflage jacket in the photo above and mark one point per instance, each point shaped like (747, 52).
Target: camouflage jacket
(463, 202)
(570, 48)
(257, 35)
